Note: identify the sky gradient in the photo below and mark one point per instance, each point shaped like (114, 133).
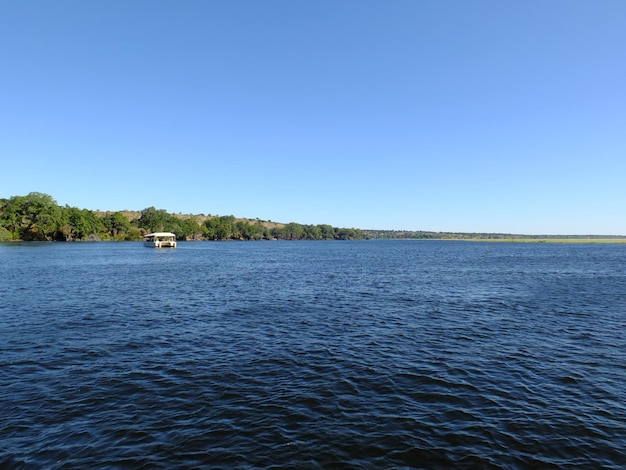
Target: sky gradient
(469, 116)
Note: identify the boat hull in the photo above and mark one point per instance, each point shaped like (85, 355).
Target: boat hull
(160, 244)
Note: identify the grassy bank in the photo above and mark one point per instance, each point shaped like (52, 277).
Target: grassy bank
(551, 240)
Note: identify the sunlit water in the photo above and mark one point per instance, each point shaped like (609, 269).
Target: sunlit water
(369, 354)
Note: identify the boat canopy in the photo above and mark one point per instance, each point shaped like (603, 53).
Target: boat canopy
(160, 234)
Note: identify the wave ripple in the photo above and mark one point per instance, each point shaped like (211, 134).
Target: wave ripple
(315, 355)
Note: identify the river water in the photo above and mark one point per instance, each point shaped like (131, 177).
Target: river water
(363, 354)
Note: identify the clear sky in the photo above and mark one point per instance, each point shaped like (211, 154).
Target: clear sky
(472, 116)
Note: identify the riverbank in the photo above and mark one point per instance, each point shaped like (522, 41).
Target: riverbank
(551, 240)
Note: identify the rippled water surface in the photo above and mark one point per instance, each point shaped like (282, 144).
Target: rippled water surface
(369, 354)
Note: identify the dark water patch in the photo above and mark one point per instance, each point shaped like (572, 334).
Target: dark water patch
(314, 355)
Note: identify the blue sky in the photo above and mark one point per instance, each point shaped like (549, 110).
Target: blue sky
(472, 116)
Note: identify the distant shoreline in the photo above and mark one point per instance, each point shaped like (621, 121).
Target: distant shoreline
(38, 217)
(616, 241)
(492, 237)
(571, 241)
(554, 240)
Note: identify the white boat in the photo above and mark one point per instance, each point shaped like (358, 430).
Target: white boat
(160, 240)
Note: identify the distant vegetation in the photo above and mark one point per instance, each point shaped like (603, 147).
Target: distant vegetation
(38, 217)
(496, 237)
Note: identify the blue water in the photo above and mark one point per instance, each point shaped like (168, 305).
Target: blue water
(365, 354)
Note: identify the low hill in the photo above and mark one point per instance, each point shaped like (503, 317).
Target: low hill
(198, 218)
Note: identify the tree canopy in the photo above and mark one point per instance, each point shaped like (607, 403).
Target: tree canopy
(38, 217)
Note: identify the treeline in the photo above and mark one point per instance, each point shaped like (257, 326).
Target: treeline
(38, 217)
(424, 235)
(402, 234)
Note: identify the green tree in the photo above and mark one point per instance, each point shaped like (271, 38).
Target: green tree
(348, 234)
(210, 228)
(35, 216)
(313, 232)
(156, 220)
(293, 231)
(82, 223)
(327, 232)
(187, 228)
(133, 234)
(10, 218)
(117, 224)
(220, 228)
(5, 235)
(260, 231)
(247, 231)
